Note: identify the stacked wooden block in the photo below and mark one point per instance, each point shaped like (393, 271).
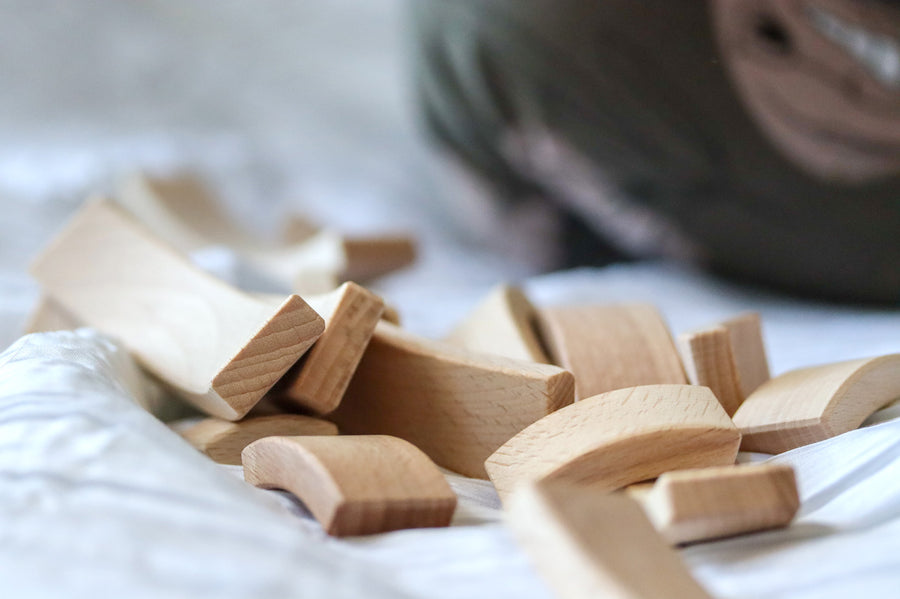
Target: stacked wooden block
(569, 410)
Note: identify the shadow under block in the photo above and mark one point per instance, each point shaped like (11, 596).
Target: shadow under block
(587, 544)
(687, 506)
(223, 440)
(216, 347)
(813, 404)
(354, 485)
(319, 380)
(610, 347)
(502, 325)
(619, 438)
(455, 405)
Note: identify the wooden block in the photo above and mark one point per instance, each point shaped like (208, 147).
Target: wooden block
(709, 361)
(619, 438)
(370, 257)
(49, 315)
(456, 406)
(610, 347)
(749, 351)
(587, 544)
(502, 325)
(216, 347)
(812, 404)
(687, 506)
(354, 485)
(223, 441)
(318, 381)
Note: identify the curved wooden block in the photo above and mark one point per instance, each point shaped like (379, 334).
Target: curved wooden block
(588, 544)
(610, 347)
(223, 440)
(619, 438)
(216, 347)
(456, 406)
(502, 325)
(687, 506)
(812, 404)
(354, 485)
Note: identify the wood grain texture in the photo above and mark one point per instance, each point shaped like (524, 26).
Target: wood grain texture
(502, 325)
(456, 406)
(354, 485)
(223, 440)
(749, 351)
(709, 361)
(812, 404)
(318, 381)
(216, 347)
(588, 544)
(687, 506)
(610, 347)
(619, 438)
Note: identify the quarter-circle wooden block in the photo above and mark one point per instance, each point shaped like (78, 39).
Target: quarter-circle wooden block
(618, 438)
(223, 440)
(813, 404)
(354, 485)
(455, 405)
(610, 347)
(215, 346)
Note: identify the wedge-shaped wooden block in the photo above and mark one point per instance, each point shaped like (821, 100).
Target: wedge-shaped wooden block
(619, 438)
(588, 544)
(687, 506)
(610, 347)
(49, 315)
(812, 404)
(503, 325)
(223, 440)
(354, 485)
(217, 347)
(749, 351)
(455, 405)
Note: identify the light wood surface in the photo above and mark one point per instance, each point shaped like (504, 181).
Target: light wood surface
(318, 381)
(687, 506)
(216, 347)
(610, 347)
(812, 404)
(619, 438)
(455, 405)
(503, 325)
(709, 361)
(223, 440)
(749, 351)
(587, 544)
(49, 315)
(354, 485)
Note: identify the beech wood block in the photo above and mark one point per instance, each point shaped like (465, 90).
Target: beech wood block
(216, 347)
(223, 440)
(455, 405)
(587, 544)
(354, 485)
(619, 438)
(812, 404)
(709, 361)
(49, 315)
(318, 381)
(503, 325)
(610, 347)
(687, 506)
(751, 362)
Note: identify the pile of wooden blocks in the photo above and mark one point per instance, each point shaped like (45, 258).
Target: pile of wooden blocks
(569, 410)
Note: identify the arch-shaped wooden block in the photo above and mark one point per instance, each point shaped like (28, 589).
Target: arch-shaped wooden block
(619, 438)
(693, 505)
(502, 325)
(812, 404)
(610, 347)
(215, 346)
(455, 405)
(223, 440)
(354, 485)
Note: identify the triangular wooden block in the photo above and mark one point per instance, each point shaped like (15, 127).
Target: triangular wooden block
(812, 404)
(455, 405)
(588, 544)
(354, 485)
(619, 438)
(216, 347)
(610, 347)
